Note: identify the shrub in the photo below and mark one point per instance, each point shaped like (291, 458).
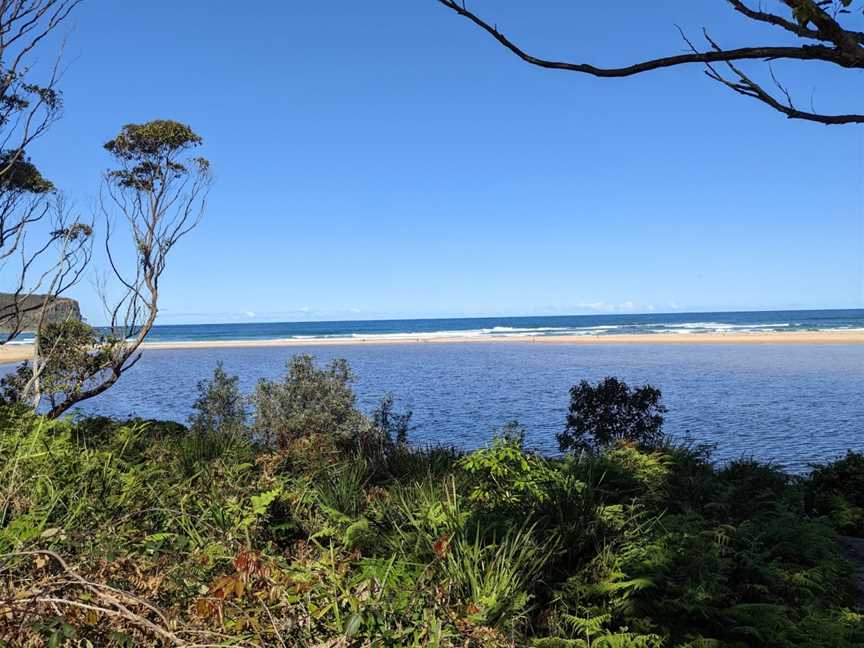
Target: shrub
(748, 487)
(219, 406)
(411, 462)
(494, 580)
(101, 431)
(626, 472)
(13, 383)
(393, 425)
(307, 401)
(611, 411)
(691, 484)
(836, 490)
(340, 488)
(421, 517)
(381, 441)
(631, 546)
(218, 423)
(505, 475)
(71, 351)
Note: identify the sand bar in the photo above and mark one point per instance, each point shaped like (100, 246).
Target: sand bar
(18, 352)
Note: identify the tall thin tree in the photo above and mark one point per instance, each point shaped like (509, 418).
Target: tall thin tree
(43, 249)
(157, 193)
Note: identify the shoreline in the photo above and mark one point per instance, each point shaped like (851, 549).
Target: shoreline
(19, 352)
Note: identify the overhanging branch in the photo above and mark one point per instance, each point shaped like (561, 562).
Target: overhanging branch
(846, 52)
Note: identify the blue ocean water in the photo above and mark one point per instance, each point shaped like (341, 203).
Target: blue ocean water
(505, 327)
(682, 323)
(790, 404)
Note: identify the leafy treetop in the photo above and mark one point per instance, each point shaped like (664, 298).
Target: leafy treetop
(611, 411)
(149, 151)
(21, 175)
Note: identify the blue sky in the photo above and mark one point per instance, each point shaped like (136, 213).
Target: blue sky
(387, 159)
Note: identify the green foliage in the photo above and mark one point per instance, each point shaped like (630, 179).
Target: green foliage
(308, 401)
(218, 425)
(392, 424)
(197, 448)
(505, 476)
(611, 411)
(220, 406)
(157, 138)
(421, 518)
(341, 488)
(493, 579)
(628, 473)
(836, 491)
(381, 441)
(148, 154)
(317, 545)
(21, 176)
(71, 351)
(747, 487)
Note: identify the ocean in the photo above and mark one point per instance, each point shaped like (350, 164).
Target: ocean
(679, 323)
(793, 405)
(506, 327)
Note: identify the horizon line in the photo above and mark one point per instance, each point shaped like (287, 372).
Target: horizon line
(533, 316)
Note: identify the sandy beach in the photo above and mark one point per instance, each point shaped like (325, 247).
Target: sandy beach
(18, 352)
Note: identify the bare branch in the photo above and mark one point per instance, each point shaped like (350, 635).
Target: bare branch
(839, 47)
(807, 52)
(106, 600)
(745, 86)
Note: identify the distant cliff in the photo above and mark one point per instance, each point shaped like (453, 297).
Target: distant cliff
(59, 309)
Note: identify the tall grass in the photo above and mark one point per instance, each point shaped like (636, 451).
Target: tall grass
(496, 579)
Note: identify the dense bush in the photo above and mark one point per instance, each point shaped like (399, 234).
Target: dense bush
(505, 477)
(220, 407)
(126, 533)
(307, 401)
(72, 353)
(610, 411)
(836, 490)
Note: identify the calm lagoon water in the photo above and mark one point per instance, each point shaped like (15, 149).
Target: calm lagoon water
(790, 404)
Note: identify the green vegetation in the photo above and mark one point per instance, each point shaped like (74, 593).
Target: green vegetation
(294, 520)
(611, 411)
